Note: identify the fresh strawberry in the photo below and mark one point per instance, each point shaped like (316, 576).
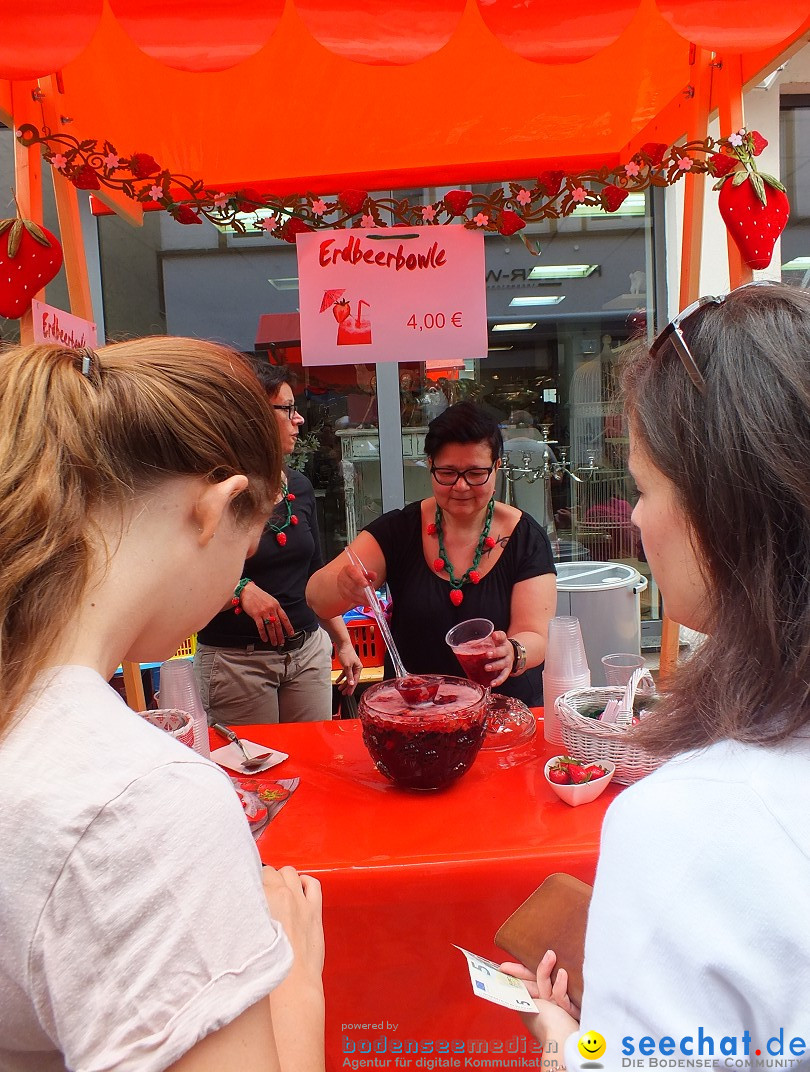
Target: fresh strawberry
(30, 256)
(612, 197)
(456, 201)
(755, 210)
(578, 773)
(558, 775)
(595, 771)
(550, 182)
(510, 222)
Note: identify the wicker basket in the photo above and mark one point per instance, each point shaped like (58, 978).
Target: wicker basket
(590, 739)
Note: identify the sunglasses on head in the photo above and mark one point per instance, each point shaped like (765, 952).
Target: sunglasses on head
(673, 333)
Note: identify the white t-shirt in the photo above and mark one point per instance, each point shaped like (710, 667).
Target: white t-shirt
(132, 916)
(700, 916)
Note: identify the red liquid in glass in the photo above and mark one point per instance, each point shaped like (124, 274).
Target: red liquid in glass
(425, 748)
(473, 658)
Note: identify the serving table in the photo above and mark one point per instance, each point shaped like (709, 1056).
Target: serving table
(406, 875)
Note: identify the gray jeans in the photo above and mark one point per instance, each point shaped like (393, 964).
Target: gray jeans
(241, 686)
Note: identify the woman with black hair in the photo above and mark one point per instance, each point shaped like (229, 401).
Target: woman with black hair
(267, 657)
(456, 555)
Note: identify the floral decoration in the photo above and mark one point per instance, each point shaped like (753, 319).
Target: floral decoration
(93, 165)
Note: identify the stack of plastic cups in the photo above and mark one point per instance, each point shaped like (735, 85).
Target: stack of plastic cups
(179, 689)
(566, 668)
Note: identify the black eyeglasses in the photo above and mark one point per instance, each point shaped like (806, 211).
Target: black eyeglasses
(290, 409)
(449, 477)
(673, 331)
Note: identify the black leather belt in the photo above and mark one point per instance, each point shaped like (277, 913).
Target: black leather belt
(292, 643)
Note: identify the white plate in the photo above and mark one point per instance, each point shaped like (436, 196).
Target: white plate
(231, 757)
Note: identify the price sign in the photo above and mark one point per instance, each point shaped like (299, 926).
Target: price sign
(392, 294)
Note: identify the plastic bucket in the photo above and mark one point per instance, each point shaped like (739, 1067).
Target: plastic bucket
(605, 596)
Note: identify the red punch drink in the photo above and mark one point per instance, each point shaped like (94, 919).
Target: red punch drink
(429, 744)
(473, 657)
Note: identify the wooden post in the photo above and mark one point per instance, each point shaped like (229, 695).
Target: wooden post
(27, 181)
(732, 118)
(691, 250)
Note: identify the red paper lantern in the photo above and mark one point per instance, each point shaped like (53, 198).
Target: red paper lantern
(380, 32)
(557, 32)
(41, 36)
(199, 35)
(734, 25)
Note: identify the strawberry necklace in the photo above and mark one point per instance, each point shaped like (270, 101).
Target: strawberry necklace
(485, 542)
(288, 499)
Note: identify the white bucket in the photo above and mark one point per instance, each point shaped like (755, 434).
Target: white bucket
(605, 598)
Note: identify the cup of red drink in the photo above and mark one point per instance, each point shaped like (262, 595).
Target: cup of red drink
(471, 644)
(428, 743)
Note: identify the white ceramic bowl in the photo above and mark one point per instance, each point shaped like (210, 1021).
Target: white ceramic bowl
(585, 792)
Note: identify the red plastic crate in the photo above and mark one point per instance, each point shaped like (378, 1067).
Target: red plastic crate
(367, 643)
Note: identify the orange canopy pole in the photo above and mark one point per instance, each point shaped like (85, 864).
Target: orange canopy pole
(731, 119)
(27, 178)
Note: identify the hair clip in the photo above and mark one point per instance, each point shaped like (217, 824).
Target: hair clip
(88, 356)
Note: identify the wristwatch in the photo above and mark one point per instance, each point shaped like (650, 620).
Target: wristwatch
(519, 661)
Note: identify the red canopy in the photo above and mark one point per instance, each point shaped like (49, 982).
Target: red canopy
(316, 94)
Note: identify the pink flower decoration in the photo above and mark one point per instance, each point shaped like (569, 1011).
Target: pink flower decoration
(428, 213)
(59, 160)
(268, 223)
(111, 161)
(685, 163)
(737, 138)
(579, 194)
(481, 219)
(524, 197)
(367, 221)
(156, 193)
(319, 207)
(631, 169)
(220, 200)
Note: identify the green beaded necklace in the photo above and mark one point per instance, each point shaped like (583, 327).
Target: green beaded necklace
(485, 541)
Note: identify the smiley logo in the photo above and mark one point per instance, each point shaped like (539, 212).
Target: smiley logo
(592, 1045)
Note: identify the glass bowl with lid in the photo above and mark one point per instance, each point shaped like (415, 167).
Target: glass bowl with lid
(423, 731)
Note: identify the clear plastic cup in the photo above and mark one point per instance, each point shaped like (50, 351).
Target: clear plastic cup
(552, 688)
(619, 667)
(470, 644)
(565, 651)
(179, 689)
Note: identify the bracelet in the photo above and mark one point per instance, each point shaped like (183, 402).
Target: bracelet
(519, 660)
(237, 595)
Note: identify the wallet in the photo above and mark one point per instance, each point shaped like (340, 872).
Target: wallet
(553, 917)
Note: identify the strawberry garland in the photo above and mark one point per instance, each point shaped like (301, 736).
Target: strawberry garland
(89, 165)
(442, 563)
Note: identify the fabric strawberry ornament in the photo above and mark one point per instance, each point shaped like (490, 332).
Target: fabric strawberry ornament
(754, 206)
(30, 257)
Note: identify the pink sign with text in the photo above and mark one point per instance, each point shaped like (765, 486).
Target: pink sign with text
(392, 294)
(65, 329)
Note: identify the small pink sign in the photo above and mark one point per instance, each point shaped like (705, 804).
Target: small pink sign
(65, 329)
(392, 294)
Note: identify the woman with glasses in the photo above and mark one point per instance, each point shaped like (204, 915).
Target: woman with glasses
(456, 555)
(698, 927)
(267, 657)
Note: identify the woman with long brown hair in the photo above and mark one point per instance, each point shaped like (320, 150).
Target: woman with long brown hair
(697, 934)
(134, 482)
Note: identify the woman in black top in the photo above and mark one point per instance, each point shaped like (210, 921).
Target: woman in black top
(454, 556)
(265, 658)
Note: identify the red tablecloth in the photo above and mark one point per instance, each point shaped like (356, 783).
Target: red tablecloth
(406, 875)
